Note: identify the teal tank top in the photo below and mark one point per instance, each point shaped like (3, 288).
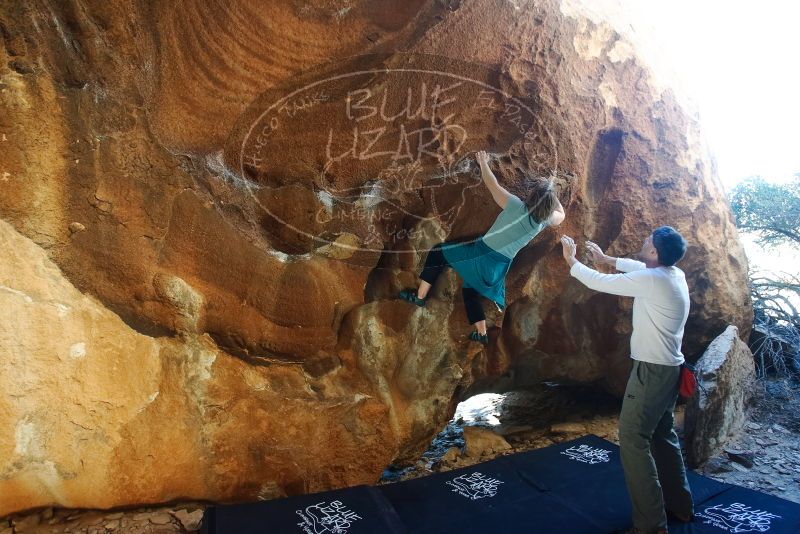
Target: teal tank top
(513, 228)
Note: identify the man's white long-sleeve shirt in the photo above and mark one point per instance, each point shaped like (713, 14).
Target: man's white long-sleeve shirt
(660, 306)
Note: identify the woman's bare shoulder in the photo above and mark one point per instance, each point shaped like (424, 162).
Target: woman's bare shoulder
(512, 198)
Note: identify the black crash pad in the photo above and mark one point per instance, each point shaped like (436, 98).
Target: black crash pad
(575, 487)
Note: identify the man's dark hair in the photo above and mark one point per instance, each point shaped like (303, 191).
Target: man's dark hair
(670, 245)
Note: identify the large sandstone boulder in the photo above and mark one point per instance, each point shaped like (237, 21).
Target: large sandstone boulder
(716, 413)
(208, 207)
(96, 414)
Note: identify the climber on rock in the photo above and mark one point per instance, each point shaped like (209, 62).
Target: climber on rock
(649, 448)
(483, 263)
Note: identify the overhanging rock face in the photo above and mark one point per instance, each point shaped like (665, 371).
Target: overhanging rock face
(207, 209)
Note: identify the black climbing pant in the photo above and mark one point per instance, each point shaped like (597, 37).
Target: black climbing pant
(434, 265)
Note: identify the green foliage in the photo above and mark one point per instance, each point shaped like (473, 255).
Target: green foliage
(770, 211)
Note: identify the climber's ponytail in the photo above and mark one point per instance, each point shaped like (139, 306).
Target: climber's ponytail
(542, 200)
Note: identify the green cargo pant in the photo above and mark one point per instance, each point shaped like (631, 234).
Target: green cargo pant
(649, 447)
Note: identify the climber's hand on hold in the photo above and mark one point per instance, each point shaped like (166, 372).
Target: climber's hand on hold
(499, 193)
(569, 249)
(482, 158)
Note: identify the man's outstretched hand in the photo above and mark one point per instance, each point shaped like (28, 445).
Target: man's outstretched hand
(597, 255)
(569, 249)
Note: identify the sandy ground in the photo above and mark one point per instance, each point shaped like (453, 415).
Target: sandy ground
(526, 420)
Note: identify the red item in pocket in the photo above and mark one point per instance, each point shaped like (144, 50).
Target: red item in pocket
(688, 382)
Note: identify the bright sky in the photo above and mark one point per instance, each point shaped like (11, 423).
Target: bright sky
(741, 61)
(738, 61)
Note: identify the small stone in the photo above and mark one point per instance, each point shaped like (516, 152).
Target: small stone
(112, 525)
(25, 523)
(781, 428)
(741, 468)
(479, 441)
(191, 520)
(718, 465)
(742, 457)
(141, 516)
(753, 426)
(568, 428)
(161, 518)
(782, 470)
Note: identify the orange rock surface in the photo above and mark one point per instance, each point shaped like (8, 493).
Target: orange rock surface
(207, 208)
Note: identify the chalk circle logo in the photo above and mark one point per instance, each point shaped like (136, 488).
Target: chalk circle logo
(474, 486)
(737, 518)
(366, 152)
(587, 454)
(326, 518)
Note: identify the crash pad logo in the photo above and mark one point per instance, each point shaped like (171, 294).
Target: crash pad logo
(737, 518)
(587, 454)
(326, 518)
(475, 486)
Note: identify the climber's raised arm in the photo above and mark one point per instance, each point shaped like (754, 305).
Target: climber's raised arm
(499, 194)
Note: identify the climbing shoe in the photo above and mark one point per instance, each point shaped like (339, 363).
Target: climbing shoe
(411, 296)
(480, 338)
